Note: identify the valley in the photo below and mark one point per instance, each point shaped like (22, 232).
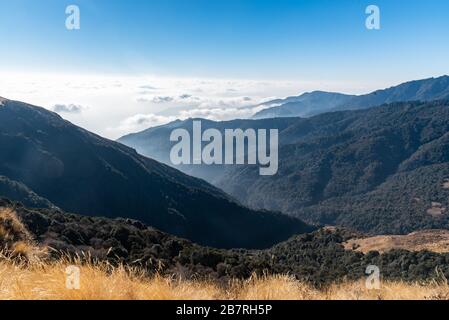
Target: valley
(81, 172)
(381, 170)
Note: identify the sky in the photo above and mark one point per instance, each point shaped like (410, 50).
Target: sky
(138, 63)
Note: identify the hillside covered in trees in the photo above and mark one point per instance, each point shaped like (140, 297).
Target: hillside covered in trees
(318, 258)
(379, 170)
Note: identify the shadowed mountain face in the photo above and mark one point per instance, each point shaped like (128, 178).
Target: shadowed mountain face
(380, 170)
(81, 172)
(19, 192)
(310, 104)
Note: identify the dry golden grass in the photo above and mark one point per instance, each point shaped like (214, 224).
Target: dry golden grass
(41, 281)
(431, 240)
(15, 240)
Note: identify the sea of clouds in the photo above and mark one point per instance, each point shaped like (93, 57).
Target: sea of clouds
(115, 105)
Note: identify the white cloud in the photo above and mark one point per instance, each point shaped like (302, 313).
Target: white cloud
(140, 122)
(148, 87)
(216, 113)
(68, 108)
(160, 99)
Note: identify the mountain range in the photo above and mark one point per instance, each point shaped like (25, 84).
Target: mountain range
(313, 103)
(46, 162)
(381, 170)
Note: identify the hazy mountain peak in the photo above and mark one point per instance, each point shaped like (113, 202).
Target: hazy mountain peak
(305, 105)
(321, 93)
(316, 102)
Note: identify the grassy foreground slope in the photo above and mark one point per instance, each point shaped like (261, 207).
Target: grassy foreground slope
(317, 258)
(27, 273)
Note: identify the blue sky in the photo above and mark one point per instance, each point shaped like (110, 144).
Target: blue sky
(133, 62)
(283, 39)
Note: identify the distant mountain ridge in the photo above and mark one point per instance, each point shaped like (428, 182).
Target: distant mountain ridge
(305, 105)
(81, 172)
(313, 103)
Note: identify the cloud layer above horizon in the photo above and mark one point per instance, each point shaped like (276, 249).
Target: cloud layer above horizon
(113, 106)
